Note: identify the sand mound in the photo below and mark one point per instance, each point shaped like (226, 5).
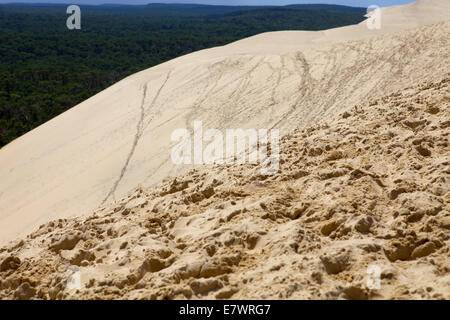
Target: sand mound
(366, 190)
(100, 150)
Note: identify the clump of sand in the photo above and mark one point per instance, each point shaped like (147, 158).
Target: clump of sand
(366, 188)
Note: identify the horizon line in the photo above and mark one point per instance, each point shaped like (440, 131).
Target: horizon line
(168, 4)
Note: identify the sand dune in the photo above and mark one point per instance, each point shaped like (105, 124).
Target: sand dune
(119, 139)
(362, 194)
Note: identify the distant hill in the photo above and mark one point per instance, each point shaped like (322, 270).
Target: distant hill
(328, 7)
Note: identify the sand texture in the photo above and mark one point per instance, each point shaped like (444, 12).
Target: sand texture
(369, 186)
(119, 139)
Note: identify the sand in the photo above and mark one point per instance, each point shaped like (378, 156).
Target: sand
(119, 139)
(363, 184)
(365, 193)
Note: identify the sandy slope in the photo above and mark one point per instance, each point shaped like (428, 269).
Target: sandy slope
(369, 187)
(120, 138)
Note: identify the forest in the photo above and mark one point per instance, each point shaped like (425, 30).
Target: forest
(45, 69)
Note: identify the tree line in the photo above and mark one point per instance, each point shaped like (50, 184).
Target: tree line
(45, 69)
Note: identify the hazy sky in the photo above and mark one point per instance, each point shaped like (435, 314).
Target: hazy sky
(356, 3)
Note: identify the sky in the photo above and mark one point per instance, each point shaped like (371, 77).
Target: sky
(355, 3)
